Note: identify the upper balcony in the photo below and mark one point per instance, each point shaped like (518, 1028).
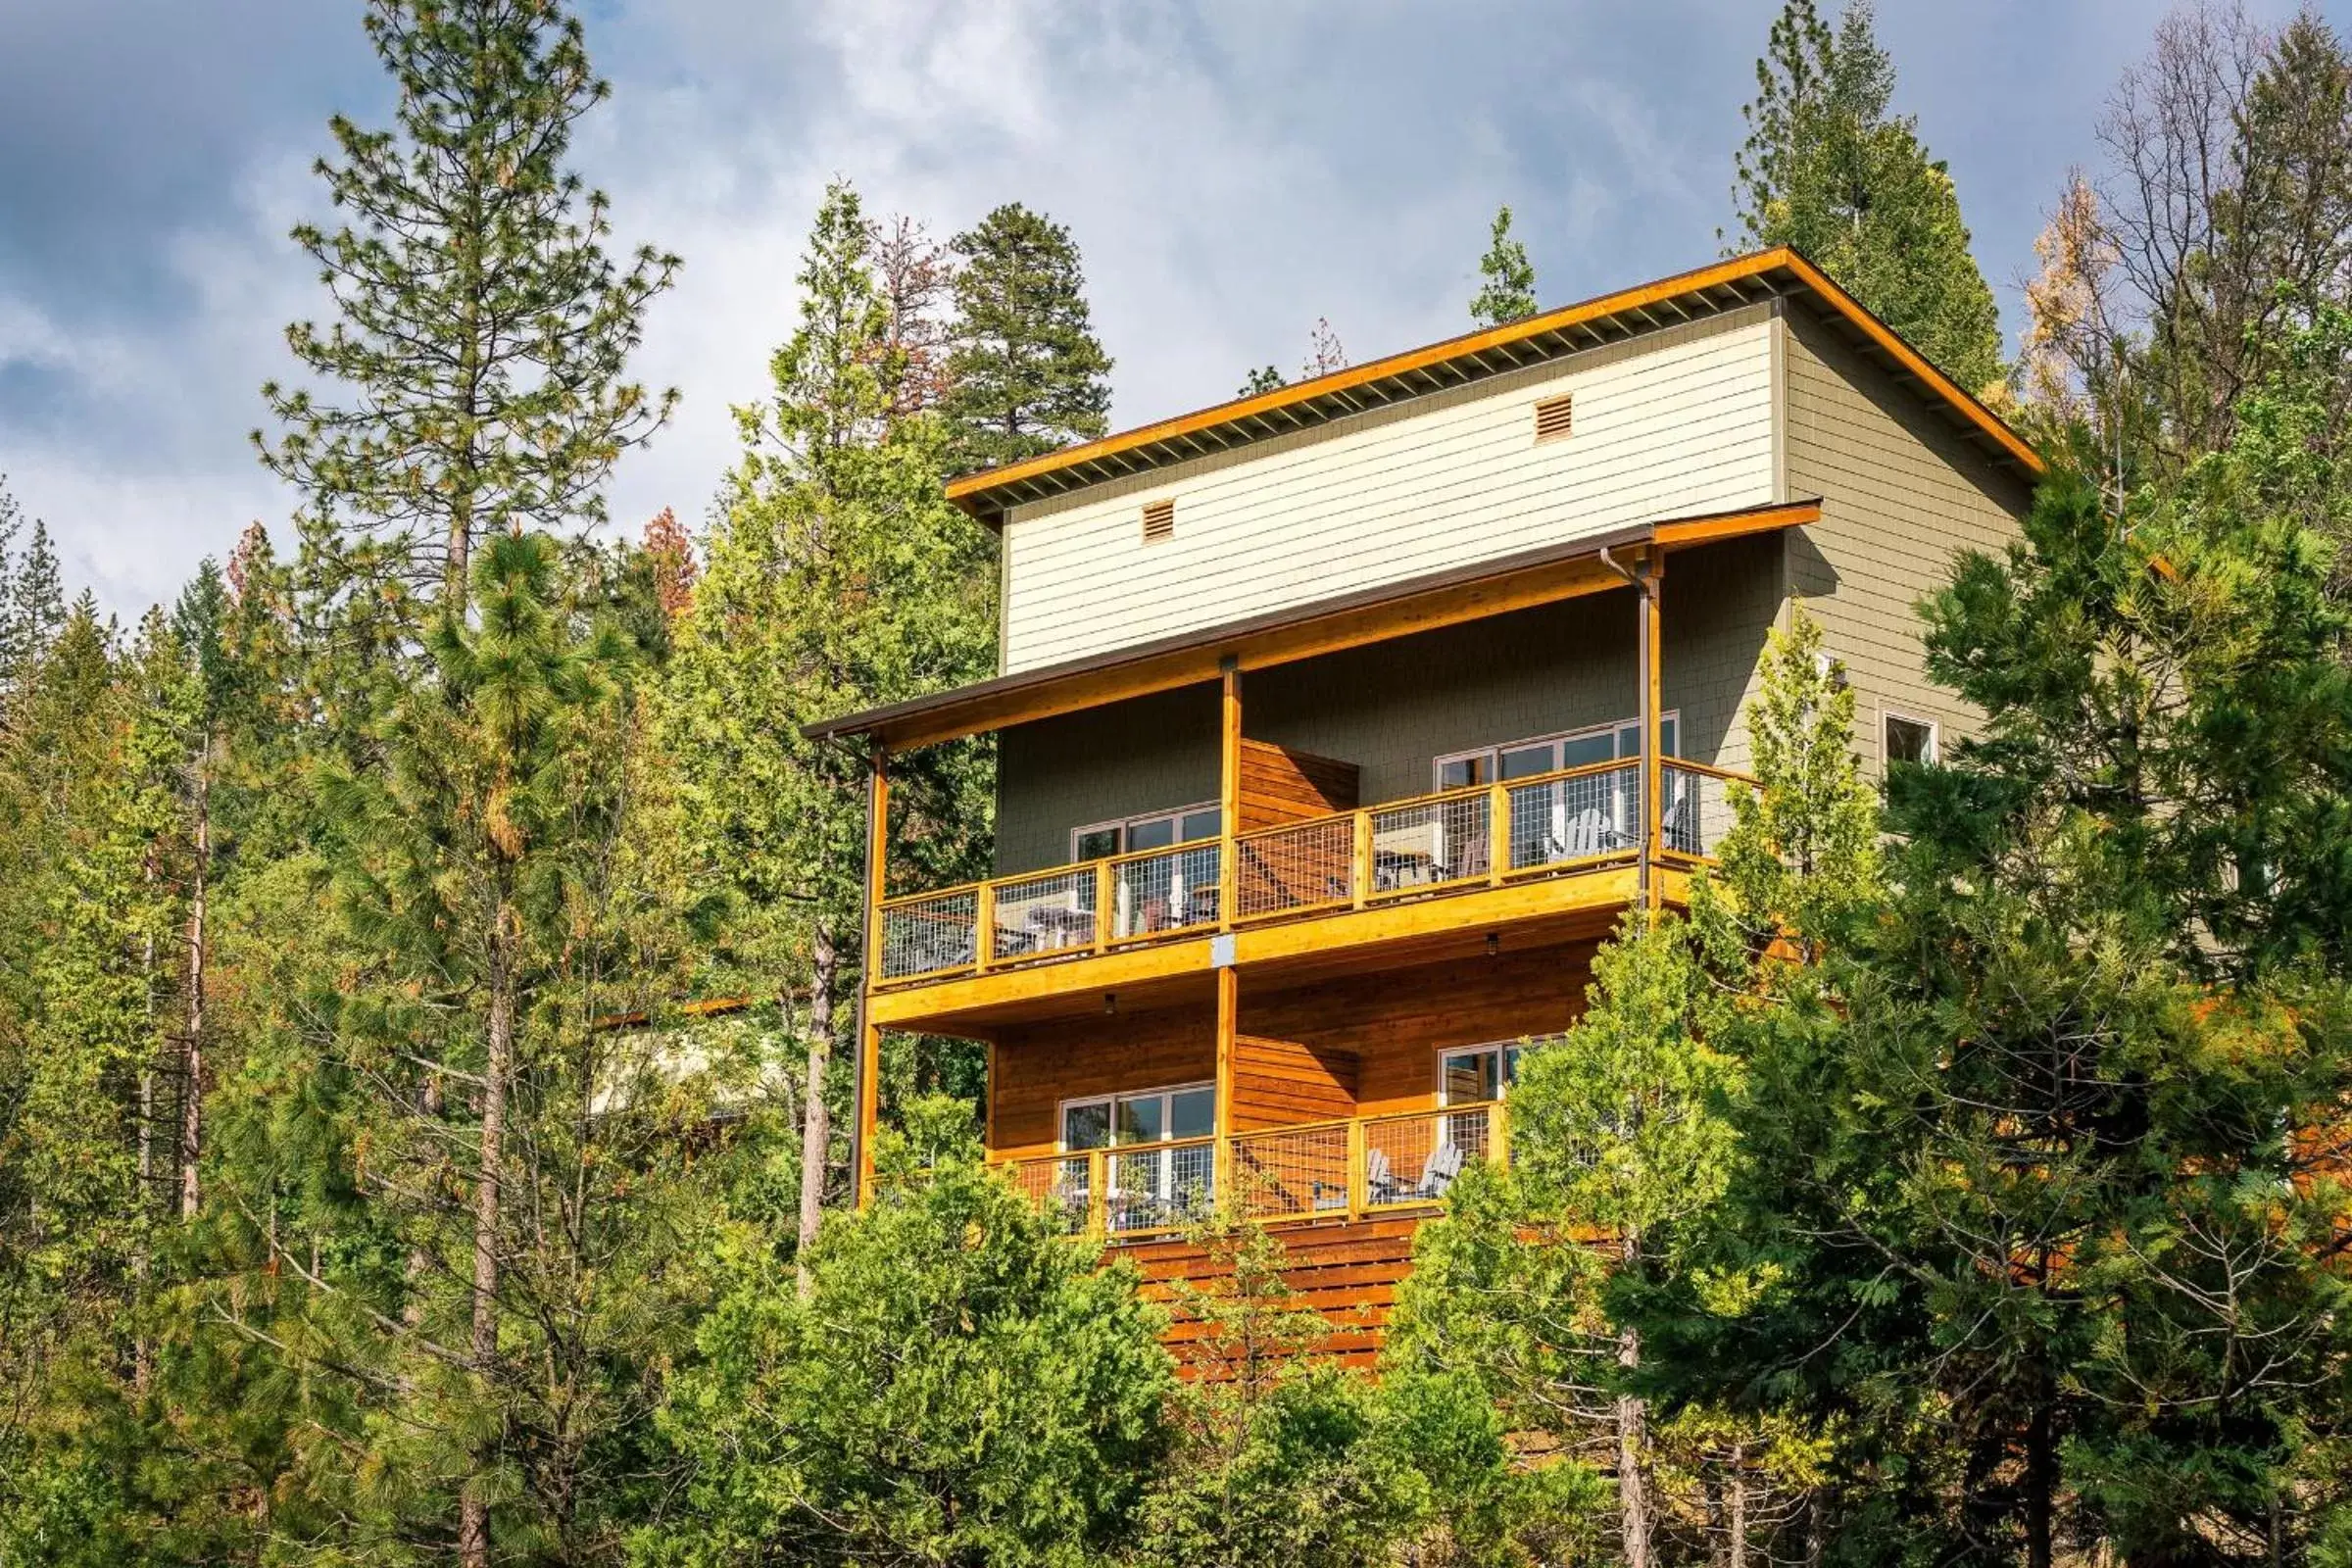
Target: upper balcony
(1261, 798)
(1557, 826)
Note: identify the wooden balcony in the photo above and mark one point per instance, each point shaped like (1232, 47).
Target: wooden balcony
(1342, 1170)
(1550, 828)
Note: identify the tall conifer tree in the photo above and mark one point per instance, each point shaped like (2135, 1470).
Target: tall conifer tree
(1027, 373)
(1829, 170)
(1507, 288)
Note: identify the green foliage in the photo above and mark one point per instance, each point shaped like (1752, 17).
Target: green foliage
(1027, 373)
(959, 1385)
(1264, 378)
(1826, 168)
(482, 330)
(1507, 290)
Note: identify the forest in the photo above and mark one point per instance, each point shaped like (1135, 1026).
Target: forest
(430, 948)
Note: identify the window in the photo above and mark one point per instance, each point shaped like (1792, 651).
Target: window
(1148, 1117)
(1152, 1184)
(1475, 1074)
(1555, 418)
(1604, 742)
(1157, 831)
(1909, 740)
(1159, 522)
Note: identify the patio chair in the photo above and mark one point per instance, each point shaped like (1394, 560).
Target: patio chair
(1589, 833)
(1380, 1182)
(1445, 1164)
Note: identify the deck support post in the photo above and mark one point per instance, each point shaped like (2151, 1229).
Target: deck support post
(1229, 1014)
(1646, 582)
(867, 1088)
(1229, 790)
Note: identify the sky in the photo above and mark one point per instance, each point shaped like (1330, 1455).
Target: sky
(1231, 170)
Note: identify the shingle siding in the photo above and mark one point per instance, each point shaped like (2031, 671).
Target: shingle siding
(1675, 424)
(1901, 495)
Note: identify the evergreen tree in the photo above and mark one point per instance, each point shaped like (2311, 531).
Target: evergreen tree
(959, 1385)
(1508, 291)
(1264, 378)
(482, 330)
(838, 578)
(1027, 373)
(1827, 170)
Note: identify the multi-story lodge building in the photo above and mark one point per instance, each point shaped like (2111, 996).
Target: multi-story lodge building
(1336, 726)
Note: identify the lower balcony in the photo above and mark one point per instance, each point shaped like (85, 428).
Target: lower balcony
(1339, 1170)
(1549, 827)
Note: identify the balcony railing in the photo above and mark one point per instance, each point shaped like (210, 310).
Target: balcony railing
(1315, 1170)
(1488, 835)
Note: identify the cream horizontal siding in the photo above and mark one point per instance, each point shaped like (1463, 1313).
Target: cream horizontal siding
(1675, 424)
(1901, 496)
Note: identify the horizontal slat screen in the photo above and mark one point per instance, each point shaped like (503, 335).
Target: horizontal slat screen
(1160, 521)
(1554, 417)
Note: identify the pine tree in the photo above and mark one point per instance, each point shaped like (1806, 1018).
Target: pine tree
(1508, 289)
(838, 578)
(1828, 169)
(1027, 373)
(481, 331)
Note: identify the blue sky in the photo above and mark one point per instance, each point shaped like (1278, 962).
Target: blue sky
(1232, 171)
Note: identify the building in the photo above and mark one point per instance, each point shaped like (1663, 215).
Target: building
(1336, 726)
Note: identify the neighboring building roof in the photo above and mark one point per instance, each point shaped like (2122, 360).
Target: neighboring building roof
(1612, 317)
(1544, 575)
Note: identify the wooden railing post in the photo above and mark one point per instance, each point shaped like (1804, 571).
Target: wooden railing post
(1355, 1167)
(1360, 872)
(1499, 1135)
(1498, 832)
(1106, 892)
(1228, 791)
(984, 929)
(1097, 1192)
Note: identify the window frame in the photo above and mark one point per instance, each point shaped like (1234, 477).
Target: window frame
(1125, 826)
(1165, 1094)
(1932, 758)
(1506, 1051)
(1492, 755)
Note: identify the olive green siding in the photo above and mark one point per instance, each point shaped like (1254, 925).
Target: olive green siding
(1900, 496)
(1391, 709)
(1123, 759)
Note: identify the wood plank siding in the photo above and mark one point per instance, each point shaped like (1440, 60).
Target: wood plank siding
(1282, 785)
(1675, 424)
(1348, 1272)
(1361, 1045)
(1901, 493)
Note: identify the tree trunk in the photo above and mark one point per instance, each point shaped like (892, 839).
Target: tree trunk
(2040, 1479)
(192, 1103)
(1737, 1486)
(473, 1509)
(815, 1127)
(1633, 1495)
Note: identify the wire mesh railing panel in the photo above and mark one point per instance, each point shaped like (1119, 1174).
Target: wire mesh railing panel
(1414, 1160)
(1695, 809)
(1056, 1186)
(1299, 865)
(1170, 890)
(1556, 820)
(928, 935)
(1429, 843)
(1161, 1186)
(1038, 916)
(1285, 1172)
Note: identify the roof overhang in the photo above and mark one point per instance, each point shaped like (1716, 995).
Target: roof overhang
(1730, 286)
(1519, 581)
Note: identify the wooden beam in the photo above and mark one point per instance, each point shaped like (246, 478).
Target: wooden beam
(1229, 1011)
(1653, 569)
(1228, 791)
(869, 1028)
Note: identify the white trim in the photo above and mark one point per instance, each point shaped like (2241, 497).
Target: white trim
(1125, 826)
(1061, 1111)
(1439, 1053)
(1494, 754)
(1887, 715)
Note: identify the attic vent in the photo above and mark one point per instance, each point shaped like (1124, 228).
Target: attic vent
(1159, 522)
(1552, 417)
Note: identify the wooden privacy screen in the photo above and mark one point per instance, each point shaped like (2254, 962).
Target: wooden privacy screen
(1280, 785)
(1280, 1082)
